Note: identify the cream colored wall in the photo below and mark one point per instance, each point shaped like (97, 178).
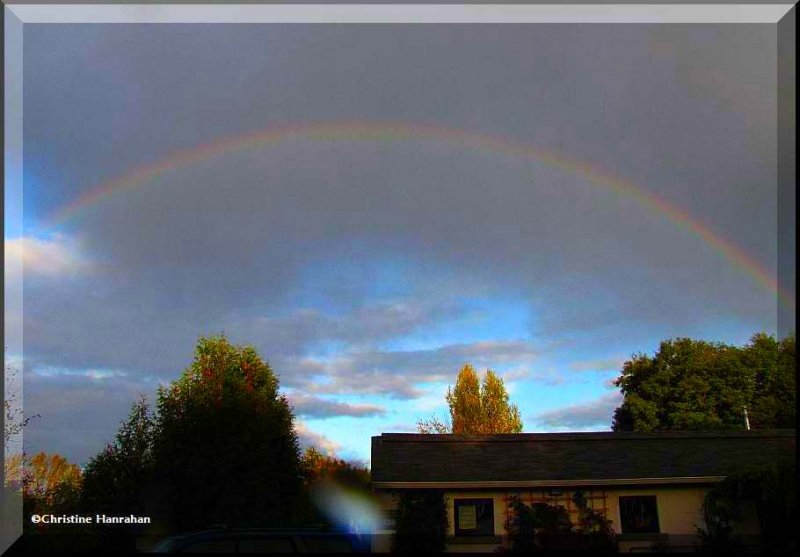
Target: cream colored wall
(678, 514)
(678, 507)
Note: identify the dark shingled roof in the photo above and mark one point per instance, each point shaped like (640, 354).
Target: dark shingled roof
(541, 457)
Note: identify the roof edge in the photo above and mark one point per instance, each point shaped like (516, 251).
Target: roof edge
(687, 480)
(588, 436)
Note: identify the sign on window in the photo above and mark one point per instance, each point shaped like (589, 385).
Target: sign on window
(467, 517)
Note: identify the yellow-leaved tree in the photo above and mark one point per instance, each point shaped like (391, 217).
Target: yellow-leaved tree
(477, 407)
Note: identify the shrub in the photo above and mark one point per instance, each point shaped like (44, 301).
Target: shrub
(421, 522)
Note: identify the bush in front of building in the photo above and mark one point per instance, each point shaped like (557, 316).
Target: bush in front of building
(420, 522)
(773, 494)
(548, 528)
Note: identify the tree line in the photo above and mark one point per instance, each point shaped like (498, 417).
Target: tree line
(695, 384)
(218, 449)
(686, 385)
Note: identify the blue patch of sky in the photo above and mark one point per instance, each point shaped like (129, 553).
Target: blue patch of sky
(13, 201)
(326, 350)
(483, 319)
(544, 397)
(332, 283)
(40, 202)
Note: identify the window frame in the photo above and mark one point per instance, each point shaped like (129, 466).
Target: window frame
(478, 532)
(625, 521)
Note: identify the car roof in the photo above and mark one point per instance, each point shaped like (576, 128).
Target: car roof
(260, 531)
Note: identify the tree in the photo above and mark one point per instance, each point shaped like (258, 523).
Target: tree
(466, 412)
(226, 451)
(337, 492)
(317, 467)
(498, 416)
(693, 384)
(15, 419)
(543, 527)
(476, 407)
(115, 479)
(45, 474)
(433, 425)
(118, 480)
(50, 485)
(13, 465)
(533, 527)
(774, 365)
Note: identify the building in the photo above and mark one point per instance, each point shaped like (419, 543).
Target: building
(650, 485)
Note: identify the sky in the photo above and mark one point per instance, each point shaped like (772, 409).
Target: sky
(540, 200)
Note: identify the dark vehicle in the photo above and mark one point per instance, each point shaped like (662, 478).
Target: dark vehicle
(263, 541)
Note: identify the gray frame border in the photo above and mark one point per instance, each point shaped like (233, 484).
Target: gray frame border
(391, 12)
(12, 28)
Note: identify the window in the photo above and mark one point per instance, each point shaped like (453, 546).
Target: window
(639, 514)
(474, 517)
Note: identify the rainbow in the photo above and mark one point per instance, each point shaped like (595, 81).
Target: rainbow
(404, 131)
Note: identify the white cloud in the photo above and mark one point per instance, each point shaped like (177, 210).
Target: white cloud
(55, 257)
(320, 408)
(309, 438)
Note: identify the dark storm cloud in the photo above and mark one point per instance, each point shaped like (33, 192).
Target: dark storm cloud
(306, 328)
(79, 413)
(93, 323)
(313, 246)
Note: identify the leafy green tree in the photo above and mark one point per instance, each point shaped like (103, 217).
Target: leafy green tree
(226, 451)
(476, 407)
(693, 384)
(774, 366)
